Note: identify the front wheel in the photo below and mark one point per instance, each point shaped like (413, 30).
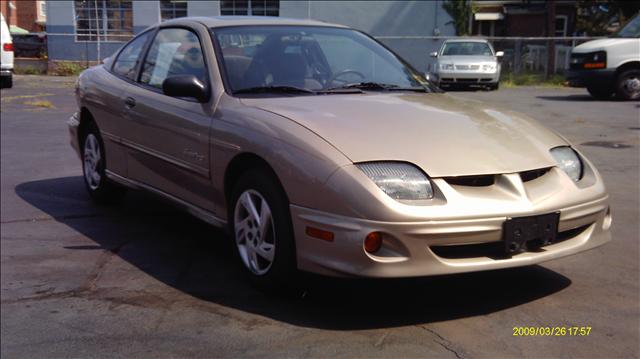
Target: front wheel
(260, 222)
(628, 85)
(93, 168)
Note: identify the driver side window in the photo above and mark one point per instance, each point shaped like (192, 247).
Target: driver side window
(127, 61)
(173, 52)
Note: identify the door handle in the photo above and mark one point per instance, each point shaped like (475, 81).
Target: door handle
(130, 102)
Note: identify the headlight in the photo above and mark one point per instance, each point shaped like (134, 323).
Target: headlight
(489, 67)
(446, 66)
(568, 161)
(400, 181)
(595, 60)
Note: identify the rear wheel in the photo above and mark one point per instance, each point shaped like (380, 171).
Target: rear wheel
(93, 168)
(600, 93)
(628, 85)
(261, 225)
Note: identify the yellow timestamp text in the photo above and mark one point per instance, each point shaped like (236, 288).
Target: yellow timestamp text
(558, 331)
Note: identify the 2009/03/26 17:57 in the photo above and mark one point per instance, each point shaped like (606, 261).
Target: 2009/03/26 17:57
(574, 331)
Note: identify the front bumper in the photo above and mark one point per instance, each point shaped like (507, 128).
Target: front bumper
(73, 124)
(468, 78)
(599, 78)
(415, 249)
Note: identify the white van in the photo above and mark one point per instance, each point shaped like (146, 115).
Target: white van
(6, 52)
(609, 66)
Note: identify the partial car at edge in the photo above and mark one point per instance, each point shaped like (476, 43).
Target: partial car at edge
(609, 66)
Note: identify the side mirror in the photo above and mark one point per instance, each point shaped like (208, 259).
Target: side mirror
(185, 86)
(433, 54)
(499, 53)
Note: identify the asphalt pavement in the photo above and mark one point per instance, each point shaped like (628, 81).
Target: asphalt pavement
(142, 279)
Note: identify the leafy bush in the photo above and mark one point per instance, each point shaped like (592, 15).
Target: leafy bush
(27, 70)
(530, 79)
(66, 68)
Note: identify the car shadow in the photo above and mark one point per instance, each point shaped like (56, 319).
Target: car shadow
(465, 89)
(577, 98)
(198, 260)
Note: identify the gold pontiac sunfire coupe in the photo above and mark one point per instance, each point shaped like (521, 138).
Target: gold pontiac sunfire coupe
(321, 150)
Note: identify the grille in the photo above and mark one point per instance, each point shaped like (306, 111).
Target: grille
(467, 67)
(471, 181)
(533, 174)
(495, 250)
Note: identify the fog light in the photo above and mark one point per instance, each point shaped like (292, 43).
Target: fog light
(373, 242)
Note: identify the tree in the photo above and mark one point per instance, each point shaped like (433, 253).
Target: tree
(601, 17)
(459, 10)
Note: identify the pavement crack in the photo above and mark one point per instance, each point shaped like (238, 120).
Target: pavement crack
(442, 341)
(103, 261)
(381, 340)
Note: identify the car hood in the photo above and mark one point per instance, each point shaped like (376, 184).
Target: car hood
(602, 44)
(466, 59)
(442, 134)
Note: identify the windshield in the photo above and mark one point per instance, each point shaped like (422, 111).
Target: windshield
(309, 58)
(631, 29)
(466, 48)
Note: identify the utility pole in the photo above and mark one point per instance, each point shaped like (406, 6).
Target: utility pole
(95, 3)
(551, 46)
(470, 17)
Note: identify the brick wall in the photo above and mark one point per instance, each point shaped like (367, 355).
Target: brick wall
(28, 15)
(10, 15)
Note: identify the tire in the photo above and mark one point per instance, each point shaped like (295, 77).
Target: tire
(600, 93)
(7, 81)
(98, 185)
(264, 244)
(628, 85)
(494, 87)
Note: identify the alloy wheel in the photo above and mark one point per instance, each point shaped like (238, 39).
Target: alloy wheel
(91, 154)
(254, 232)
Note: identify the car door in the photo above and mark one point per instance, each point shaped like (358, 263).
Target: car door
(168, 137)
(105, 100)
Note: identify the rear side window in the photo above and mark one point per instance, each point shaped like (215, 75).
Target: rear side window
(173, 52)
(127, 61)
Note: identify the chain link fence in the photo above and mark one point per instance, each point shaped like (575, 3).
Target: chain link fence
(522, 55)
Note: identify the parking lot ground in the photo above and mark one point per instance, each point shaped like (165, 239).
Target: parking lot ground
(141, 279)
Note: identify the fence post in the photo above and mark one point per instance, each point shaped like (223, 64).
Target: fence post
(517, 57)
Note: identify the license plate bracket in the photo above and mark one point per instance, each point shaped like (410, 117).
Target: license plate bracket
(523, 233)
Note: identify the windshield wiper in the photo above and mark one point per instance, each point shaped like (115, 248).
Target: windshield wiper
(273, 89)
(364, 86)
(376, 86)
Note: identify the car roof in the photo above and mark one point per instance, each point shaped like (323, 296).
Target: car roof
(467, 40)
(223, 21)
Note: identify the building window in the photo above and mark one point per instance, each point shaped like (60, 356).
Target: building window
(250, 7)
(171, 9)
(43, 8)
(110, 20)
(561, 26)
